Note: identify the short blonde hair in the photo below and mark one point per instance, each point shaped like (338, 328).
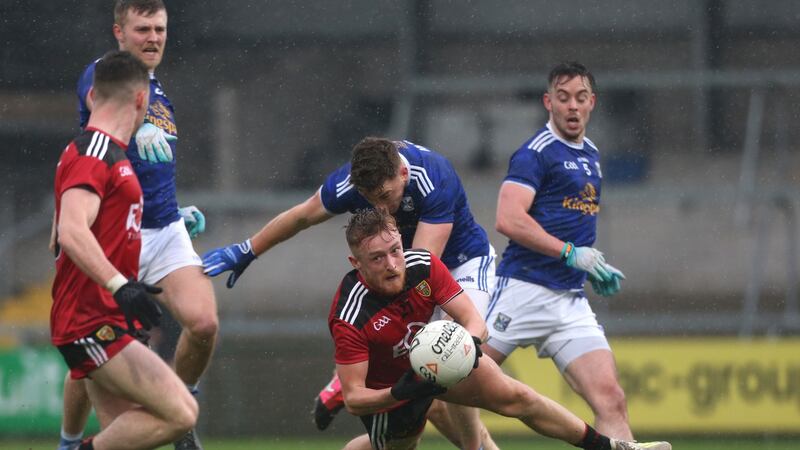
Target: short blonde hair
(144, 7)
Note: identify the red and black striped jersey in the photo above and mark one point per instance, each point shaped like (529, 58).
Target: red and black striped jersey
(369, 327)
(96, 161)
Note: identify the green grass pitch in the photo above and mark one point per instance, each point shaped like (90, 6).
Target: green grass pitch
(431, 443)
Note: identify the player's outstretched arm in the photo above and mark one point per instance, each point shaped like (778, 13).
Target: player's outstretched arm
(236, 257)
(360, 400)
(290, 222)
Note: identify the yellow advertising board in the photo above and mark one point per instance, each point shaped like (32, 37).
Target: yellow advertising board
(685, 385)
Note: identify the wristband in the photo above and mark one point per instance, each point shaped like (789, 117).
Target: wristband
(568, 248)
(116, 282)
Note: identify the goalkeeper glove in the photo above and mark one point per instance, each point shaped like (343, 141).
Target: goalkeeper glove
(153, 144)
(610, 287)
(194, 220)
(587, 259)
(235, 257)
(136, 301)
(410, 387)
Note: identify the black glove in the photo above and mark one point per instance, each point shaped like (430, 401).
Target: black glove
(410, 387)
(136, 301)
(478, 351)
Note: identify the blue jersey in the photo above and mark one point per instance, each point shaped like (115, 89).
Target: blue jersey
(434, 194)
(157, 180)
(566, 180)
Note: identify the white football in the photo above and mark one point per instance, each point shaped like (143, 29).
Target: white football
(442, 352)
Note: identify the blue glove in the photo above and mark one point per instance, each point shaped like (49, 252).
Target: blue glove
(235, 257)
(586, 259)
(153, 144)
(194, 220)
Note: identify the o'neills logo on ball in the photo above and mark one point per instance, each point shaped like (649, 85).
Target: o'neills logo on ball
(447, 334)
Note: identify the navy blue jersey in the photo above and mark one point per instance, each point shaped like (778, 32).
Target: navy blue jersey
(434, 194)
(565, 178)
(157, 180)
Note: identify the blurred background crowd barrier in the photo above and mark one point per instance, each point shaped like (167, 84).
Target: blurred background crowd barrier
(696, 121)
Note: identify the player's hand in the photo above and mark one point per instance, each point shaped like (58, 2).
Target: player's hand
(478, 351)
(235, 257)
(610, 287)
(588, 259)
(411, 387)
(194, 220)
(136, 301)
(153, 144)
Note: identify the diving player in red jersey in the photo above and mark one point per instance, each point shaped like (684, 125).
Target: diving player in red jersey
(97, 302)
(375, 312)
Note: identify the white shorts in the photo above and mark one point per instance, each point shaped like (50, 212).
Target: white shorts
(522, 314)
(165, 250)
(476, 277)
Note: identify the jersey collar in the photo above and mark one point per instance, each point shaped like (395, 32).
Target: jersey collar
(580, 146)
(113, 139)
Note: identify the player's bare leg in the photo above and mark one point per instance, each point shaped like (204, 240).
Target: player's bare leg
(470, 433)
(138, 376)
(362, 443)
(487, 387)
(439, 415)
(471, 428)
(189, 296)
(76, 412)
(594, 377)
(359, 443)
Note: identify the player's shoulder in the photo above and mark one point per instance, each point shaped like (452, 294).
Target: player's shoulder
(418, 265)
(96, 144)
(338, 182)
(88, 71)
(426, 168)
(589, 144)
(355, 303)
(419, 155)
(542, 140)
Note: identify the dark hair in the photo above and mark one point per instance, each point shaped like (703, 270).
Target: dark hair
(570, 69)
(367, 223)
(118, 71)
(374, 160)
(143, 7)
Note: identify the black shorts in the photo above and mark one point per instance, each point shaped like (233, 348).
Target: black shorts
(89, 353)
(400, 423)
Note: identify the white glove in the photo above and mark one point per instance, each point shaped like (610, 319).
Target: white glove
(587, 259)
(194, 220)
(153, 143)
